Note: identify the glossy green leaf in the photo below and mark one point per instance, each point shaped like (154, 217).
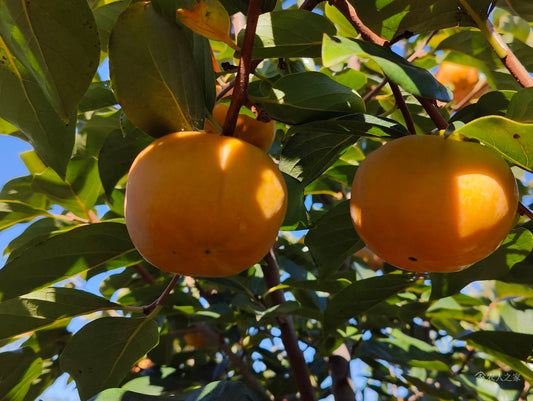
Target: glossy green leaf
(116, 394)
(28, 109)
(78, 192)
(413, 79)
(361, 296)
(117, 154)
(99, 95)
(390, 19)
(6, 128)
(510, 139)
(57, 43)
(66, 255)
(93, 134)
(296, 216)
(313, 147)
(20, 190)
(38, 231)
(44, 307)
(152, 74)
(491, 103)
(514, 249)
(301, 97)
(521, 106)
(516, 345)
(290, 33)
(343, 25)
(101, 353)
(332, 238)
(17, 371)
(106, 16)
(15, 212)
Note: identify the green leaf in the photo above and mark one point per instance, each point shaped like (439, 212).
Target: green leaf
(510, 139)
(18, 369)
(78, 192)
(66, 255)
(413, 79)
(222, 391)
(152, 72)
(305, 96)
(296, 216)
(491, 103)
(116, 394)
(106, 16)
(521, 106)
(390, 19)
(57, 43)
(313, 147)
(14, 212)
(333, 238)
(361, 296)
(99, 95)
(101, 353)
(44, 307)
(516, 345)
(290, 33)
(343, 25)
(117, 154)
(28, 109)
(514, 249)
(38, 231)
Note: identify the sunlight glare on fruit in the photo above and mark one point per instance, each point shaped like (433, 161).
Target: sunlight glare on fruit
(270, 194)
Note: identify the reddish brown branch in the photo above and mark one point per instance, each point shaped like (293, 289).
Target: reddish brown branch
(295, 356)
(433, 112)
(400, 102)
(161, 299)
(238, 99)
(351, 14)
(524, 211)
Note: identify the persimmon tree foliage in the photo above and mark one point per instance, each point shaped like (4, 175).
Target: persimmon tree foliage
(320, 316)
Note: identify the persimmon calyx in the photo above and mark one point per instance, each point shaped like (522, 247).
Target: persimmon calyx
(210, 19)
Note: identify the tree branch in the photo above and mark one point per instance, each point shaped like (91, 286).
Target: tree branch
(351, 14)
(295, 356)
(400, 102)
(161, 299)
(508, 58)
(238, 99)
(339, 368)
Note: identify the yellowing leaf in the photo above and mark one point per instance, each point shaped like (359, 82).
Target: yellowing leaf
(210, 19)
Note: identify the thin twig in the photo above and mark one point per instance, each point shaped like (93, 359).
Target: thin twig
(375, 90)
(161, 299)
(295, 356)
(309, 5)
(400, 102)
(238, 99)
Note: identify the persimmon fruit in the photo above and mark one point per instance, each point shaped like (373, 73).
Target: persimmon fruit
(251, 130)
(425, 203)
(200, 204)
(461, 78)
(195, 339)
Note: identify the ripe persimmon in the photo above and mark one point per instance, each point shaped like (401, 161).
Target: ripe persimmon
(251, 130)
(425, 203)
(461, 78)
(204, 205)
(195, 339)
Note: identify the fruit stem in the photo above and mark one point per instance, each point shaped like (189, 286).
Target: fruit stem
(288, 332)
(238, 99)
(501, 49)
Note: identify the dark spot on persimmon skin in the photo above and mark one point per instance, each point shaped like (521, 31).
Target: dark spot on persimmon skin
(516, 136)
(412, 258)
(207, 251)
